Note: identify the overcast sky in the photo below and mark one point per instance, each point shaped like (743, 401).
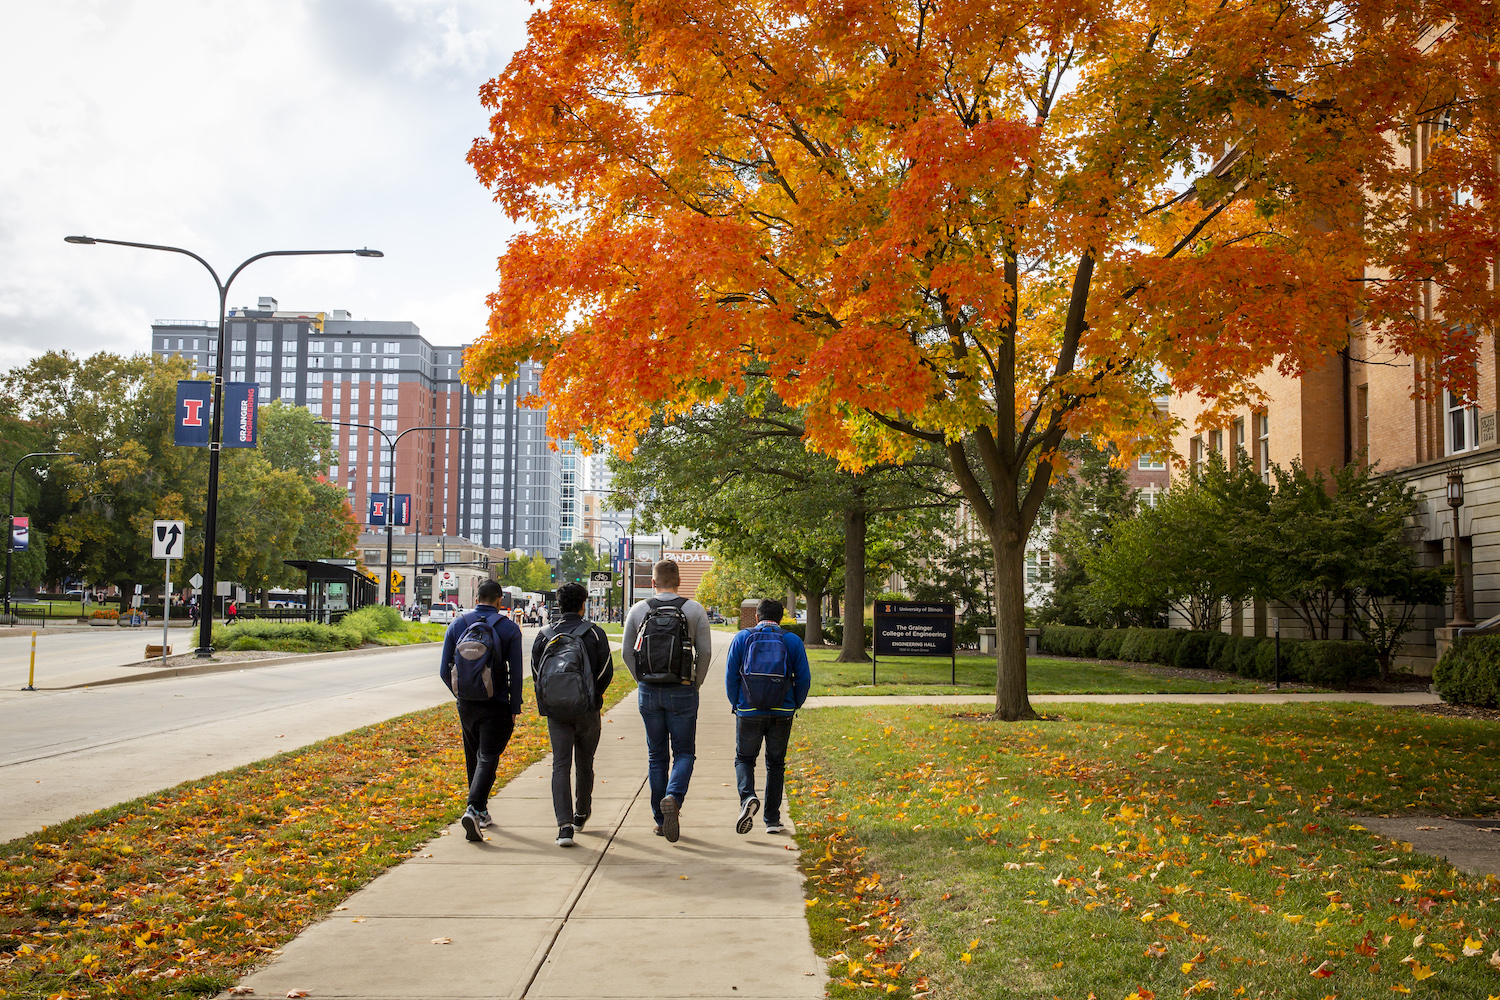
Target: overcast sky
(230, 127)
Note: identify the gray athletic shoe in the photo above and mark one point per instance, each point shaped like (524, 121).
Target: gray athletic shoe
(669, 827)
(471, 824)
(748, 809)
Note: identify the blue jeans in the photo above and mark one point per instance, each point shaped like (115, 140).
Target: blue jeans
(671, 716)
(749, 732)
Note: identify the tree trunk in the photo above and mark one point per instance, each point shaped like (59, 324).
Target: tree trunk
(1011, 701)
(814, 631)
(833, 605)
(853, 647)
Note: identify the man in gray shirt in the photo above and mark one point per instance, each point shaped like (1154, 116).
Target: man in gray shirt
(667, 647)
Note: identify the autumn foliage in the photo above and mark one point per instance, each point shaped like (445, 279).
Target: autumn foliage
(982, 225)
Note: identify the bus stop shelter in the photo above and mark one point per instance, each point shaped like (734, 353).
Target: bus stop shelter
(335, 588)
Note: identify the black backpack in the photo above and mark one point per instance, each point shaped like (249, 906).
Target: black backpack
(563, 676)
(474, 659)
(663, 647)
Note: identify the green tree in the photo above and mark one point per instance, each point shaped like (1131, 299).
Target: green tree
(532, 573)
(1083, 510)
(577, 562)
(737, 475)
(733, 579)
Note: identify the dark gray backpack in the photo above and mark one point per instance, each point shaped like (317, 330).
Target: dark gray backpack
(563, 676)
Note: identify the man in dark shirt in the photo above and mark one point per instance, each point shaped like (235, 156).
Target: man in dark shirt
(574, 739)
(487, 723)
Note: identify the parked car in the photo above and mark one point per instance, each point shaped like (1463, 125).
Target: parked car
(444, 612)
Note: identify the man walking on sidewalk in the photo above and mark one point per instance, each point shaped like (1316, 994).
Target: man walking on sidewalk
(668, 646)
(570, 670)
(768, 679)
(481, 665)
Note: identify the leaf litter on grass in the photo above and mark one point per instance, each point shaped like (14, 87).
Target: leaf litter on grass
(1072, 858)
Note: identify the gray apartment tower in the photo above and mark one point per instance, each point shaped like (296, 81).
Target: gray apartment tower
(498, 485)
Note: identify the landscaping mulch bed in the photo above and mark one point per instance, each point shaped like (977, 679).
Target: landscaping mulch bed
(1455, 711)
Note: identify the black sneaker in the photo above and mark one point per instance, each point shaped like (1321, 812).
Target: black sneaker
(748, 809)
(578, 820)
(565, 836)
(669, 827)
(470, 821)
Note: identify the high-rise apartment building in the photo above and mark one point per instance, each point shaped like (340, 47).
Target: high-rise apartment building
(498, 485)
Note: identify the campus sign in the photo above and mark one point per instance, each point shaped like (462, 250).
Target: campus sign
(915, 628)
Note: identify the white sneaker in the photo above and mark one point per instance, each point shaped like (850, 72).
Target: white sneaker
(775, 828)
(565, 836)
(484, 818)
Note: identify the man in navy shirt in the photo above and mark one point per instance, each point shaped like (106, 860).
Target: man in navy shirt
(487, 723)
(773, 726)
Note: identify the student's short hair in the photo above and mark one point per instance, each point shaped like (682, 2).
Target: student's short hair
(490, 592)
(665, 574)
(769, 610)
(571, 596)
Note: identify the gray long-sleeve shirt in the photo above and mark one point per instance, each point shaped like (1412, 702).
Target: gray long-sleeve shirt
(698, 623)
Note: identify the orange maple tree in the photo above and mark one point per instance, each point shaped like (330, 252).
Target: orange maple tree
(980, 225)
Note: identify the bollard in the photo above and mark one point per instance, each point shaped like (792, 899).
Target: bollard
(31, 678)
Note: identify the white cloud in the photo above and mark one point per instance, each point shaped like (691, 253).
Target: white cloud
(232, 128)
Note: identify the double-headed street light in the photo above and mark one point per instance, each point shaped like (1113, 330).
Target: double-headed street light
(11, 543)
(390, 483)
(211, 514)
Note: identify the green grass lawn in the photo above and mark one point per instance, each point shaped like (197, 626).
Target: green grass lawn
(56, 607)
(1135, 852)
(976, 674)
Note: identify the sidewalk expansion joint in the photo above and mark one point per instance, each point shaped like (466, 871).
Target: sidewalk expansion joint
(544, 952)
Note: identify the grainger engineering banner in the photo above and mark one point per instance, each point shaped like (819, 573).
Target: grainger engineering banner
(241, 416)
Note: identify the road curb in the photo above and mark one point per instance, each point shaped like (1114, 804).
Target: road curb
(218, 668)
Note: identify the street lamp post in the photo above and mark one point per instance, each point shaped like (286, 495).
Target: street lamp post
(10, 543)
(621, 527)
(1460, 591)
(390, 483)
(211, 513)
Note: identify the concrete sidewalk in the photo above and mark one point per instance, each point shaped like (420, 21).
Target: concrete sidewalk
(1269, 698)
(622, 915)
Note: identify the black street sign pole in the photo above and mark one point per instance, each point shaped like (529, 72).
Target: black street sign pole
(10, 543)
(390, 486)
(211, 512)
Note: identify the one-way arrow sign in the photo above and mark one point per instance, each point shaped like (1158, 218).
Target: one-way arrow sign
(166, 539)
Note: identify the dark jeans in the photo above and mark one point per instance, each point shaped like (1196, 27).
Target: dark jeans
(670, 712)
(487, 726)
(573, 740)
(749, 732)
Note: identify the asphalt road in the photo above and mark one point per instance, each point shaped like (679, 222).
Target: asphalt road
(63, 753)
(60, 653)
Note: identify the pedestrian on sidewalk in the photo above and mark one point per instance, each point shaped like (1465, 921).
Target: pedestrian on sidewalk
(768, 678)
(571, 668)
(667, 647)
(481, 665)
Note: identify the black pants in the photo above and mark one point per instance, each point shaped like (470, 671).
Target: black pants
(749, 732)
(573, 741)
(487, 727)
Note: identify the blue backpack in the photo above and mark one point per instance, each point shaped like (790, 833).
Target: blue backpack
(474, 662)
(765, 672)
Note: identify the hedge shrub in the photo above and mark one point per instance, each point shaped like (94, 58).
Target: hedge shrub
(1108, 645)
(1334, 662)
(1469, 673)
(1192, 650)
(1069, 640)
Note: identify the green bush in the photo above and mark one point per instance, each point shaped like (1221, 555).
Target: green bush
(369, 622)
(1069, 640)
(1192, 650)
(1240, 655)
(1151, 645)
(1335, 662)
(1108, 647)
(799, 629)
(1469, 673)
(1216, 647)
(834, 633)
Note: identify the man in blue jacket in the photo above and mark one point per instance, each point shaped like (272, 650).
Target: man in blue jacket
(751, 673)
(487, 722)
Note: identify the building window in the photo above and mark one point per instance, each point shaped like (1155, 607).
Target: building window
(1216, 442)
(388, 425)
(1263, 446)
(263, 345)
(1462, 425)
(1148, 496)
(315, 347)
(288, 347)
(1195, 457)
(390, 379)
(1151, 463)
(1239, 436)
(1038, 567)
(288, 378)
(373, 556)
(390, 395)
(388, 409)
(237, 345)
(392, 347)
(399, 556)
